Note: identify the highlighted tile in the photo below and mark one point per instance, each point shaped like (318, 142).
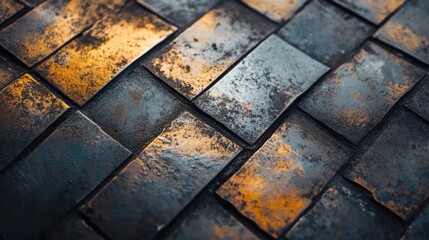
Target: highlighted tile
(276, 10)
(8, 9)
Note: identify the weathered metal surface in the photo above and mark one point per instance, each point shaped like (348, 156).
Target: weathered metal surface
(419, 229)
(67, 166)
(8, 72)
(396, 167)
(50, 25)
(26, 109)
(209, 47)
(87, 64)
(280, 180)
(165, 176)
(276, 10)
(254, 94)
(8, 9)
(358, 94)
(32, 3)
(420, 101)
(72, 228)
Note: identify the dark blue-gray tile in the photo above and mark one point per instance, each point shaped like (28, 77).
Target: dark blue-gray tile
(419, 103)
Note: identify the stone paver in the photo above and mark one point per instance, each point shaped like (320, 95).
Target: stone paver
(210, 221)
(86, 65)
(372, 10)
(136, 110)
(8, 72)
(67, 166)
(8, 9)
(279, 181)
(165, 176)
(26, 108)
(341, 34)
(276, 10)
(274, 74)
(210, 46)
(179, 12)
(419, 229)
(420, 101)
(72, 228)
(396, 167)
(50, 25)
(355, 97)
(408, 30)
(344, 213)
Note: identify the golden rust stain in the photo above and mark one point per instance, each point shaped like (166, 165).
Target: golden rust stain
(355, 117)
(87, 64)
(404, 36)
(221, 232)
(8, 9)
(277, 10)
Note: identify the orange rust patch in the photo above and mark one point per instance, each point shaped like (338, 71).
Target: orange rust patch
(277, 10)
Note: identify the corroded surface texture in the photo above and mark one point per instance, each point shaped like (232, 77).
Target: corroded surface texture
(253, 95)
(87, 64)
(396, 167)
(8, 72)
(211, 221)
(50, 25)
(419, 230)
(403, 30)
(372, 10)
(136, 110)
(209, 47)
(179, 12)
(357, 95)
(165, 176)
(344, 213)
(68, 165)
(277, 10)
(279, 181)
(73, 228)
(32, 3)
(420, 101)
(8, 9)
(341, 33)
(26, 109)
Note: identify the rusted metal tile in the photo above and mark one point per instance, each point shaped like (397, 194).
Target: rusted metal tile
(136, 110)
(419, 229)
(164, 177)
(8, 9)
(276, 10)
(420, 101)
(345, 213)
(210, 221)
(87, 64)
(254, 94)
(8, 72)
(354, 98)
(396, 167)
(179, 12)
(279, 181)
(50, 25)
(26, 109)
(73, 228)
(373, 10)
(67, 166)
(408, 30)
(210, 46)
(341, 34)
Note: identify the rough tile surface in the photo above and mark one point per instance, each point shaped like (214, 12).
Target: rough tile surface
(396, 167)
(254, 94)
(165, 176)
(32, 3)
(72, 228)
(26, 109)
(420, 101)
(179, 12)
(358, 94)
(276, 10)
(8, 72)
(279, 181)
(408, 30)
(86, 65)
(419, 230)
(210, 46)
(341, 34)
(8, 9)
(372, 10)
(136, 110)
(210, 221)
(50, 25)
(67, 166)
(344, 213)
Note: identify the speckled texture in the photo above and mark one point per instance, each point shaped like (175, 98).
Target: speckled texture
(165, 176)
(8, 72)
(50, 25)
(344, 213)
(407, 30)
(419, 230)
(210, 221)
(276, 10)
(396, 167)
(279, 181)
(26, 109)
(72, 228)
(355, 97)
(419, 103)
(206, 49)
(136, 110)
(341, 34)
(254, 94)
(8, 9)
(67, 166)
(87, 64)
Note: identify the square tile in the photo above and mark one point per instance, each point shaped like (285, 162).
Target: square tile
(276, 10)
(253, 95)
